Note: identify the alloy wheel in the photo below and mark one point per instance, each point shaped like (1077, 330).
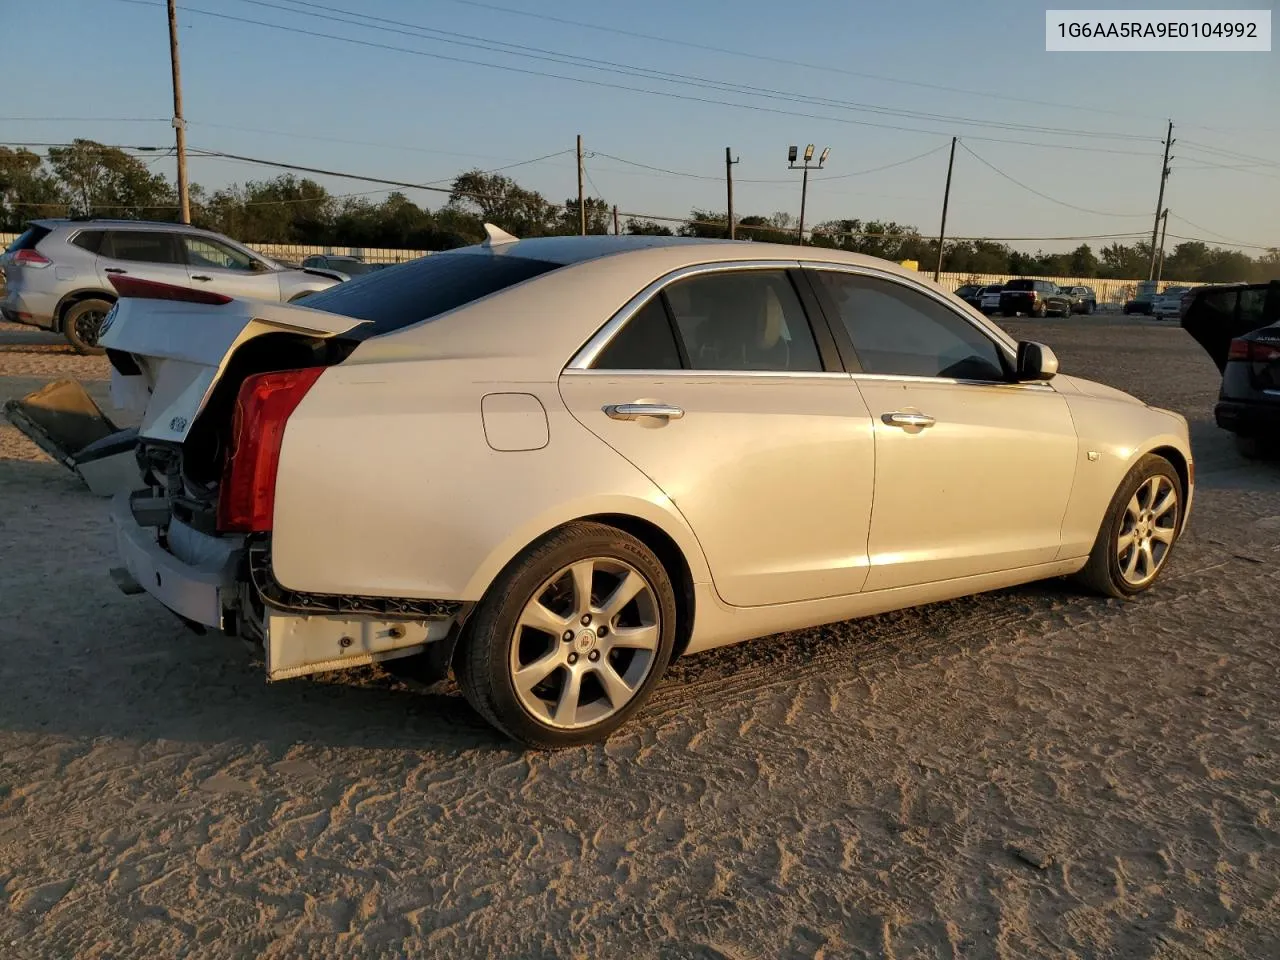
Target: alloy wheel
(585, 643)
(1148, 528)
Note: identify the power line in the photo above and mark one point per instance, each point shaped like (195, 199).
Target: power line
(1230, 154)
(608, 85)
(86, 119)
(371, 22)
(1238, 243)
(793, 62)
(699, 176)
(1062, 203)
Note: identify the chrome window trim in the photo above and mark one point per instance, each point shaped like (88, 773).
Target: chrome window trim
(1000, 384)
(713, 374)
(588, 353)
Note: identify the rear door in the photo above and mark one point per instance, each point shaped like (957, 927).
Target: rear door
(719, 388)
(973, 472)
(218, 266)
(143, 254)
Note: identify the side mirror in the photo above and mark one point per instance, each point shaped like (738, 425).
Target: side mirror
(1036, 361)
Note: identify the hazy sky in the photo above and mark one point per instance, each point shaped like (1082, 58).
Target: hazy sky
(285, 95)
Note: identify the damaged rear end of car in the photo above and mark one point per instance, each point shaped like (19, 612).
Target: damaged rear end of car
(214, 381)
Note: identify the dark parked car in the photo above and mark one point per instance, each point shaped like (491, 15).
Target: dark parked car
(1036, 298)
(971, 293)
(1083, 299)
(1239, 327)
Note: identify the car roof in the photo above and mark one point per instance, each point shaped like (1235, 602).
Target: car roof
(675, 252)
(53, 224)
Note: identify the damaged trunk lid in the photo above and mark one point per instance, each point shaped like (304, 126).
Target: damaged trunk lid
(168, 357)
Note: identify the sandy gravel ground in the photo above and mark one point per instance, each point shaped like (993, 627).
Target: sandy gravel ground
(1033, 773)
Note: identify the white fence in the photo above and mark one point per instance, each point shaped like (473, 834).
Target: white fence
(1113, 292)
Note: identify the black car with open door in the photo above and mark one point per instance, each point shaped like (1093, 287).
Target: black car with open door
(1238, 325)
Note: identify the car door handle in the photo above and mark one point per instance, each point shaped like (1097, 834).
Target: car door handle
(633, 411)
(908, 419)
(201, 277)
(114, 270)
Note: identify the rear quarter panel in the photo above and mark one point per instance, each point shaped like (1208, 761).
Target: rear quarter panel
(387, 484)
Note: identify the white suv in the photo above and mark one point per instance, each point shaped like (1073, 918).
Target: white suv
(58, 274)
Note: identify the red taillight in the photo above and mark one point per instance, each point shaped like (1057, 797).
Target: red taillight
(247, 497)
(153, 290)
(31, 258)
(1253, 352)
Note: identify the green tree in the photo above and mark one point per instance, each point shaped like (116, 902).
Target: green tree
(599, 216)
(1083, 263)
(105, 180)
(27, 190)
(645, 228)
(504, 203)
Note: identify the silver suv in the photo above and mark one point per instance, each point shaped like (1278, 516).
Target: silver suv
(58, 274)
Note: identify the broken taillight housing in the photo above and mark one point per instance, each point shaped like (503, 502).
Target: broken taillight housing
(247, 495)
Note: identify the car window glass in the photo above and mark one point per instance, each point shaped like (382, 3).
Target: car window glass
(1221, 306)
(646, 342)
(89, 240)
(424, 288)
(205, 253)
(1252, 301)
(901, 332)
(743, 320)
(141, 246)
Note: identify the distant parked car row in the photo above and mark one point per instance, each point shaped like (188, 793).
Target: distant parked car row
(1035, 298)
(348, 266)
(64, 275)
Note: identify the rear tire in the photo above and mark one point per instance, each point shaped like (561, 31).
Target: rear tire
(576, 690)
(1139, 513)
(1254, 448)
(82, 322)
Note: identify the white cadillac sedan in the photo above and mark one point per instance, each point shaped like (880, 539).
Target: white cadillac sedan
(550, 466)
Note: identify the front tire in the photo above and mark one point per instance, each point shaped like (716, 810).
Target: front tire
(1138, 532)
(571, 638)
(82, 323)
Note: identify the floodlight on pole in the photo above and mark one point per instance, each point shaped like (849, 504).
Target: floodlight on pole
(804, 183)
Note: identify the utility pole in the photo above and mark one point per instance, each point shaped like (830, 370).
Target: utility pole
(1164, 175)
(946, 198)
(792, 152)
(728, 175)
(581, 196)
(179, 125)
(615, 220)
(1164, 228)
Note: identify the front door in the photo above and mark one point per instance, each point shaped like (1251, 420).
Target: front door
(716, 390)
(220, 267)
(973, 472)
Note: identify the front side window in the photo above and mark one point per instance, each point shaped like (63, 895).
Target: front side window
(141, 246)
(209, 254)
(897, 331)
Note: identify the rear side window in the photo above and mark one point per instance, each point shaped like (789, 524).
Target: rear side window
(141, 246)
(425, 288)
(89, 240)
(28, 239)
(646, 342)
